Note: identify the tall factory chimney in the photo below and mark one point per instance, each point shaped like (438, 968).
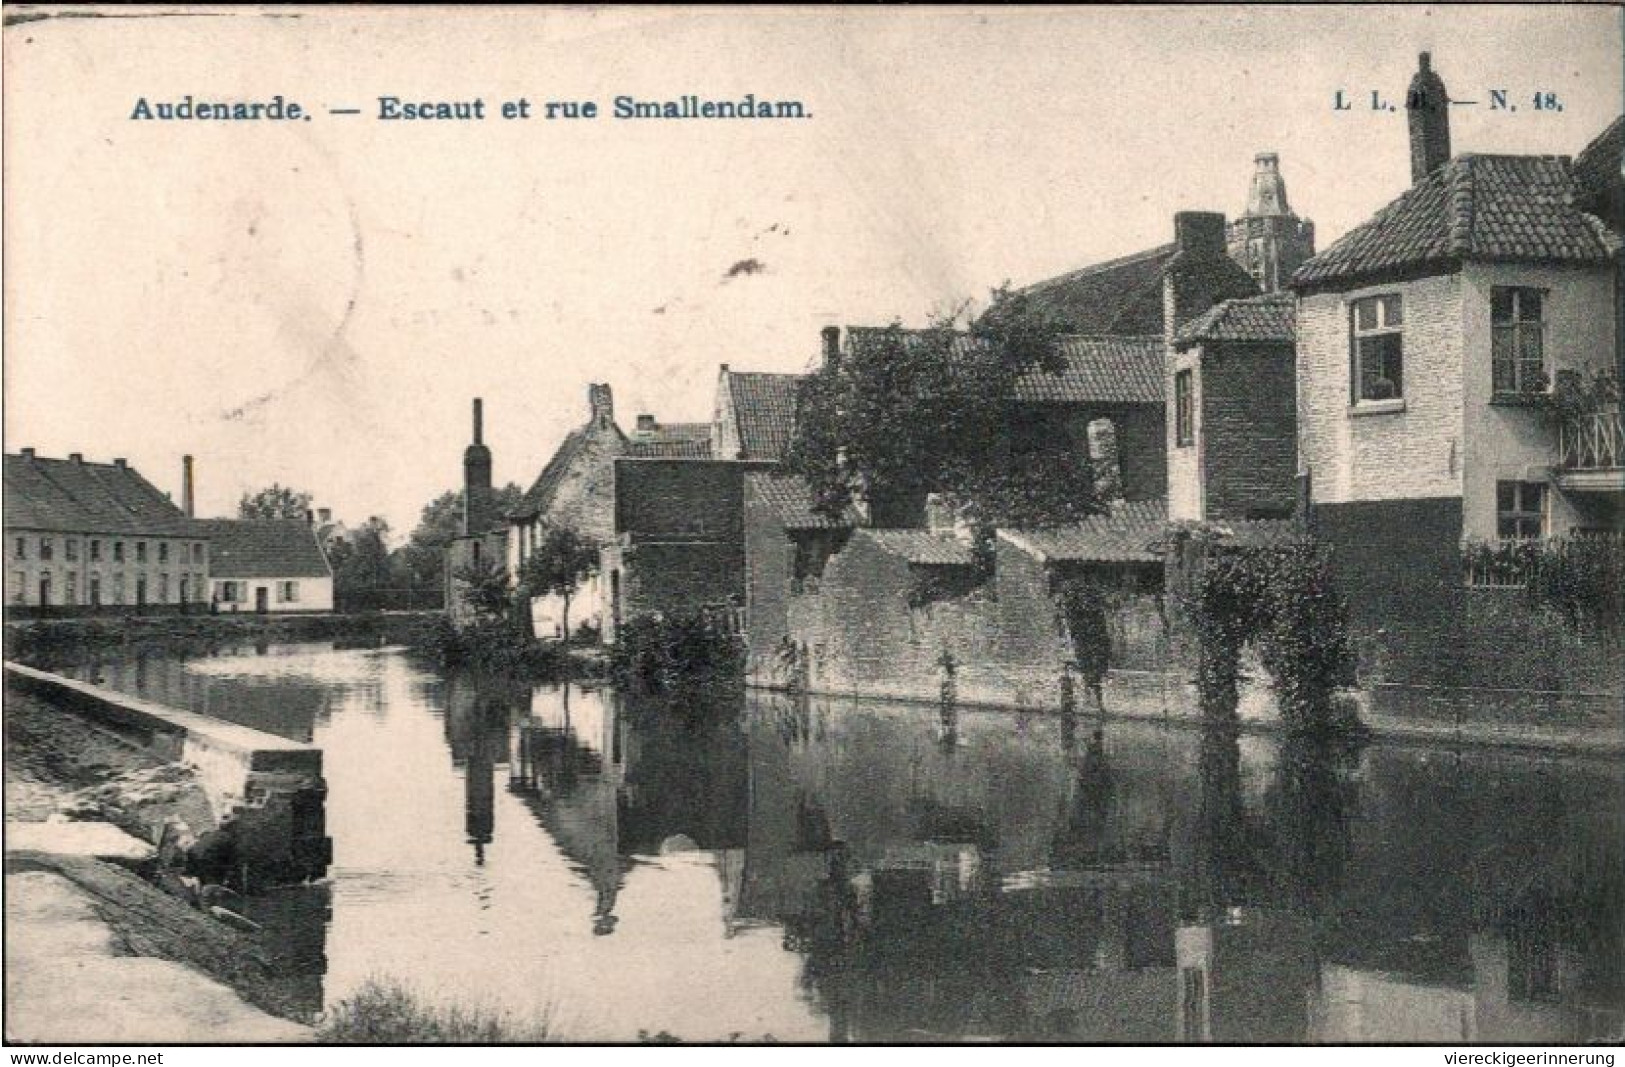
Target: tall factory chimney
(188, 501)
(478, 500)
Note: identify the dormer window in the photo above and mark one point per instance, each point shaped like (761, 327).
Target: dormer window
(1377, 348)
(1517, 341)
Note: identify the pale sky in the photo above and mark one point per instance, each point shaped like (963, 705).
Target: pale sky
(316, 302)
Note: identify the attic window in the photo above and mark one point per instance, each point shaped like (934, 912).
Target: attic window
(1377, 348)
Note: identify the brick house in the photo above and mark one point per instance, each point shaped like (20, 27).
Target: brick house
(1428, 341)
(678, 540)
(576, 488)
(1232, 415)
(268, 566)
(86, 537)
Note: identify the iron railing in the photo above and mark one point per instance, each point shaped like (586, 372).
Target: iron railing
(1507, 564)
(1592, 442)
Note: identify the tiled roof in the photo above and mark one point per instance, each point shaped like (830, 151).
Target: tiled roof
(1122, 296)
(1125, 535)
(1097, 370)
(1497, 208)
(1117, 370)
(921, 547)
(1597, 173)
(792, 499)
(257, 548)
(61, 494)
(1271, 317)
(539, 497)
(765, 411)
(678, 440)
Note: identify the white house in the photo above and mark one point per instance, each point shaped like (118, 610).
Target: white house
(267, 567)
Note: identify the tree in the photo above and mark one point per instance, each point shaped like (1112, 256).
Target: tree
(564, 559)
(423, 557)
(913, 412)
(486, 590)
(276, 501)
(361, 566)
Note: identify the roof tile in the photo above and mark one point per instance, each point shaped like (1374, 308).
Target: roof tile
(61, 494)
(258, 548)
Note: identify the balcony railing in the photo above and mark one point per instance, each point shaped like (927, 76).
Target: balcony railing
(1593, 442)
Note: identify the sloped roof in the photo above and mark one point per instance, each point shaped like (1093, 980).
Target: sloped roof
(1125, 535)
(259, 548)
(1120, 296)
(793, 501)
(1597, 173)
(923, 548)
(1475, 207)
(62, 494)
(540, 494)
(1271, 317)
(1097, 370)
(1117, 370)
(765, 411)
(677, 440)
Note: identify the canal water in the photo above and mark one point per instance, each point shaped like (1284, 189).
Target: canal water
(752, 866)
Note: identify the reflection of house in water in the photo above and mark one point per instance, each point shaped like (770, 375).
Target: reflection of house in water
(1245, 977)
(477, 729)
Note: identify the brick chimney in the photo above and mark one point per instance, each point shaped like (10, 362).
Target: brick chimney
(1200, 273)
(76, 457)
(28, 452)
(646, 424)
(478, 501)
(601, 405)
(832, 344)
(188, 502)
(1427, 107)
(324, 515)
(121, 463)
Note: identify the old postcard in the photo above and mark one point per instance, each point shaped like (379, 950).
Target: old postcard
(815, 525)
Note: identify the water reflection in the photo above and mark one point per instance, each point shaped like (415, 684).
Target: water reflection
(862, 871)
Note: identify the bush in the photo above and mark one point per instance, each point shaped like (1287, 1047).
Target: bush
(494, 646)
(387, 1013)
(663, 652)
(1283, 600)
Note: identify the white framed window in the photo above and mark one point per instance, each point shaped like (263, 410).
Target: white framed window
(1377, 348)
(1518, 340)
(19, 587)
(287, 592)
(1520, 511)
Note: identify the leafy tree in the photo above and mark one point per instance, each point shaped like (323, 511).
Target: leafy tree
(486, 590)
(912, 412)
(423, 557)
(361, 570)
(564, 559)
(276, 501)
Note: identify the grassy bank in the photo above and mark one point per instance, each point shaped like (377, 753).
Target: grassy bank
(48, 642)
(388, 1013)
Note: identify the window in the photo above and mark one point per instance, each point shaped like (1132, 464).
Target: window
(1517, 341)
(1184, 429)
(19, 587)
(70, 546)
(141, 552)
(197, 552)
(71, 589)
(231, 592)
(95, 590)
(46, 549)
(163, 589)
(287, 592)
(1377, 351)
(186, 587)
(45, 589)
(22, 548)
(118, 551)
(118, 588)
(163, 551)
(95, 551)
(1520, 510)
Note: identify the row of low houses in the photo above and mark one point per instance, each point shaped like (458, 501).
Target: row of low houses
(87, 538)
(1393, 393)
